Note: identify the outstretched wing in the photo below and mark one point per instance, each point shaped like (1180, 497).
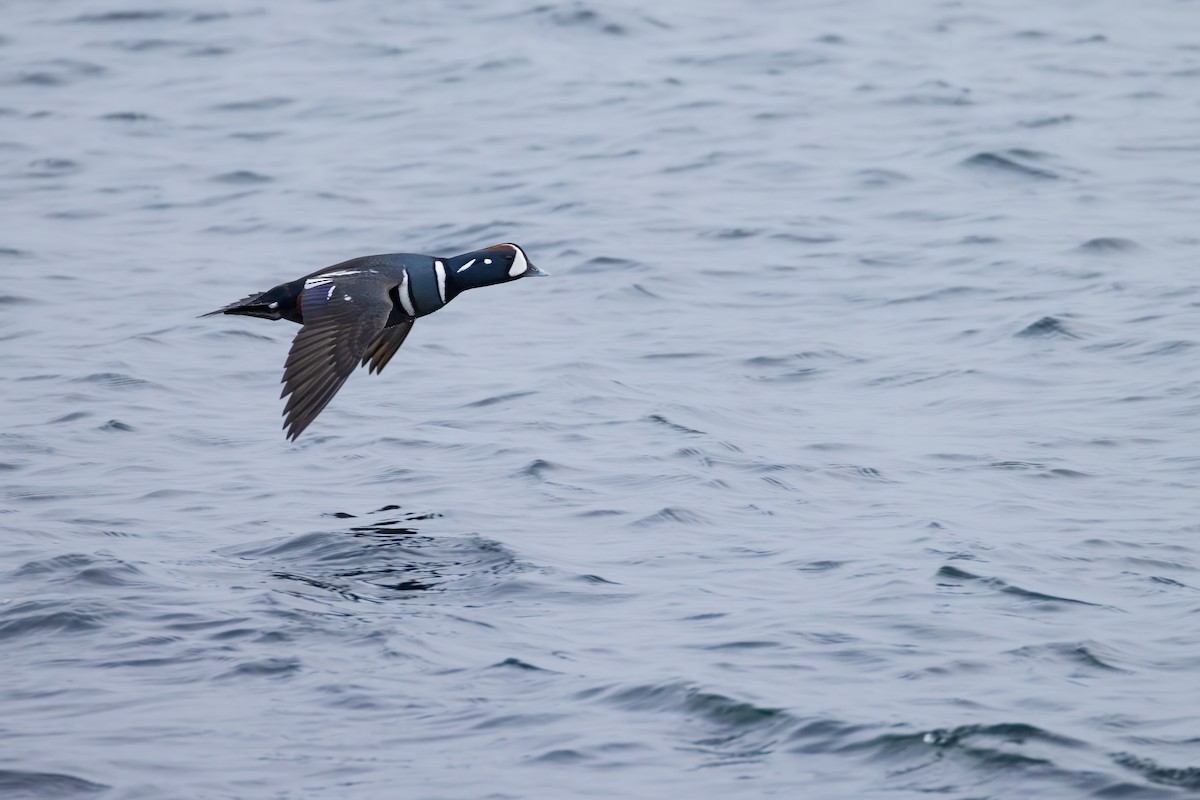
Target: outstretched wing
(342, 317)
(380, 352)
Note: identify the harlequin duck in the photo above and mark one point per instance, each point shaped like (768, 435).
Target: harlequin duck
(361, 310)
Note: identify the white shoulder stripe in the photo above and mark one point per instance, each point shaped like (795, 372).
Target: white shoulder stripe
(464, 266)
(440, 269)
(406, 295)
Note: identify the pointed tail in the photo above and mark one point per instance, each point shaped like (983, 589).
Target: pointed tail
(250, 306)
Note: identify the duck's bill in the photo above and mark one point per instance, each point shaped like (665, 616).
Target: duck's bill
(534, 272)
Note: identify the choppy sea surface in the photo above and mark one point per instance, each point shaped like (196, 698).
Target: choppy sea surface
(852, 450)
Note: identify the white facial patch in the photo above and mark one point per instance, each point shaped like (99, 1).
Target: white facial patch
(440, 269)
(520, 263)
(406, 296)
(464, 266)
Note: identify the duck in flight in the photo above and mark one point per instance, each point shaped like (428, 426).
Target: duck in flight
(361, 310)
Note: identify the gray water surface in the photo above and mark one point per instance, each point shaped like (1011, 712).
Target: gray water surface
(850, 451)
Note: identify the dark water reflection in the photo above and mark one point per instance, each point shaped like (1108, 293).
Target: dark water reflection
(387, 560)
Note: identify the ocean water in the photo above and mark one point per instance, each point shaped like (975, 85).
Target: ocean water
(852, 450)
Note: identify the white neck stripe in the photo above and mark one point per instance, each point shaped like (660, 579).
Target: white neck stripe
(440, 269)
(464, 266)
(406, 296)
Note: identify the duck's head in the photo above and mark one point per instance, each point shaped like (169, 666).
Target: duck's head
(496, 264)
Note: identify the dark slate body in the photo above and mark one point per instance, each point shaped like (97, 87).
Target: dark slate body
(361, 310)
